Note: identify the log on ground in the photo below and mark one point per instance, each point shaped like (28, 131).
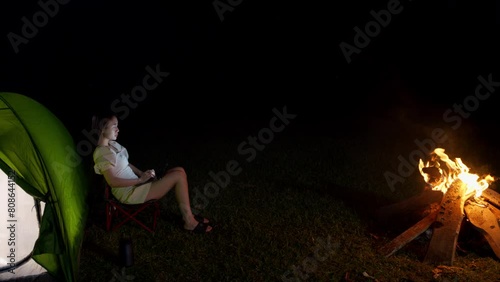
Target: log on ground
(442, 247)
(491, 196)
(412, 205)
(483, 219)
(411, 233)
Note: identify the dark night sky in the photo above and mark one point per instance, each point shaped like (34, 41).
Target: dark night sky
(264, 54)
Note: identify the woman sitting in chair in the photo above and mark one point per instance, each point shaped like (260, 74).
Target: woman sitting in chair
(130, 185)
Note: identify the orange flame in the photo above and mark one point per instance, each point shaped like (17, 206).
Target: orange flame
(440, 178)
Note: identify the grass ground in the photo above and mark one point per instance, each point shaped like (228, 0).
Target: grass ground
(302, 209)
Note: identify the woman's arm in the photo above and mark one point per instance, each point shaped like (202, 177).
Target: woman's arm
(114, 181)
(137, 171)
(140, 173)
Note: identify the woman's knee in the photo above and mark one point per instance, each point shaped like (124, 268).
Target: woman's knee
(177, 171)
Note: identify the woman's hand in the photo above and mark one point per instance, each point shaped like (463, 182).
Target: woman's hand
(147, 175)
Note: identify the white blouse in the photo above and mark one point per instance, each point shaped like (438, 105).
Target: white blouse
(114, 155)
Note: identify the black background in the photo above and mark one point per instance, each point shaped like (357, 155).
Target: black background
(263, 54)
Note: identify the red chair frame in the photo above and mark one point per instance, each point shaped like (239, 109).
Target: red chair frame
(123, 213)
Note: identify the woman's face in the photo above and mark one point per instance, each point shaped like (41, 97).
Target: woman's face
(111, 130)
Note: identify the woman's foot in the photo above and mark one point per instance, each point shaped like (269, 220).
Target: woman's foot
(200, 218)
(198, 226)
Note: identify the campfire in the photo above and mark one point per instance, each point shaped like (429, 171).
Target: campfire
(465, 196)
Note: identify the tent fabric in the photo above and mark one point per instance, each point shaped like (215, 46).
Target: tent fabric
(35, 145)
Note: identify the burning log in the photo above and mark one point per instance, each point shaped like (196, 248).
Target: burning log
(443, 243)
(494, 199)
(495, 211)
(486, 222)
(458, 185)
(491, 196)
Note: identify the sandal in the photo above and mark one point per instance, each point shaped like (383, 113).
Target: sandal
(201, 219)
(200, 228)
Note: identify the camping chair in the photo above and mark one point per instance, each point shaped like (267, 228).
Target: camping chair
(117, 213)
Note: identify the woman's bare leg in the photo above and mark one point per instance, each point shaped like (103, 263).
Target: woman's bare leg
(175, 178)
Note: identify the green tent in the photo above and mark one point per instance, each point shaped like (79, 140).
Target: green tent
(38, 155)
